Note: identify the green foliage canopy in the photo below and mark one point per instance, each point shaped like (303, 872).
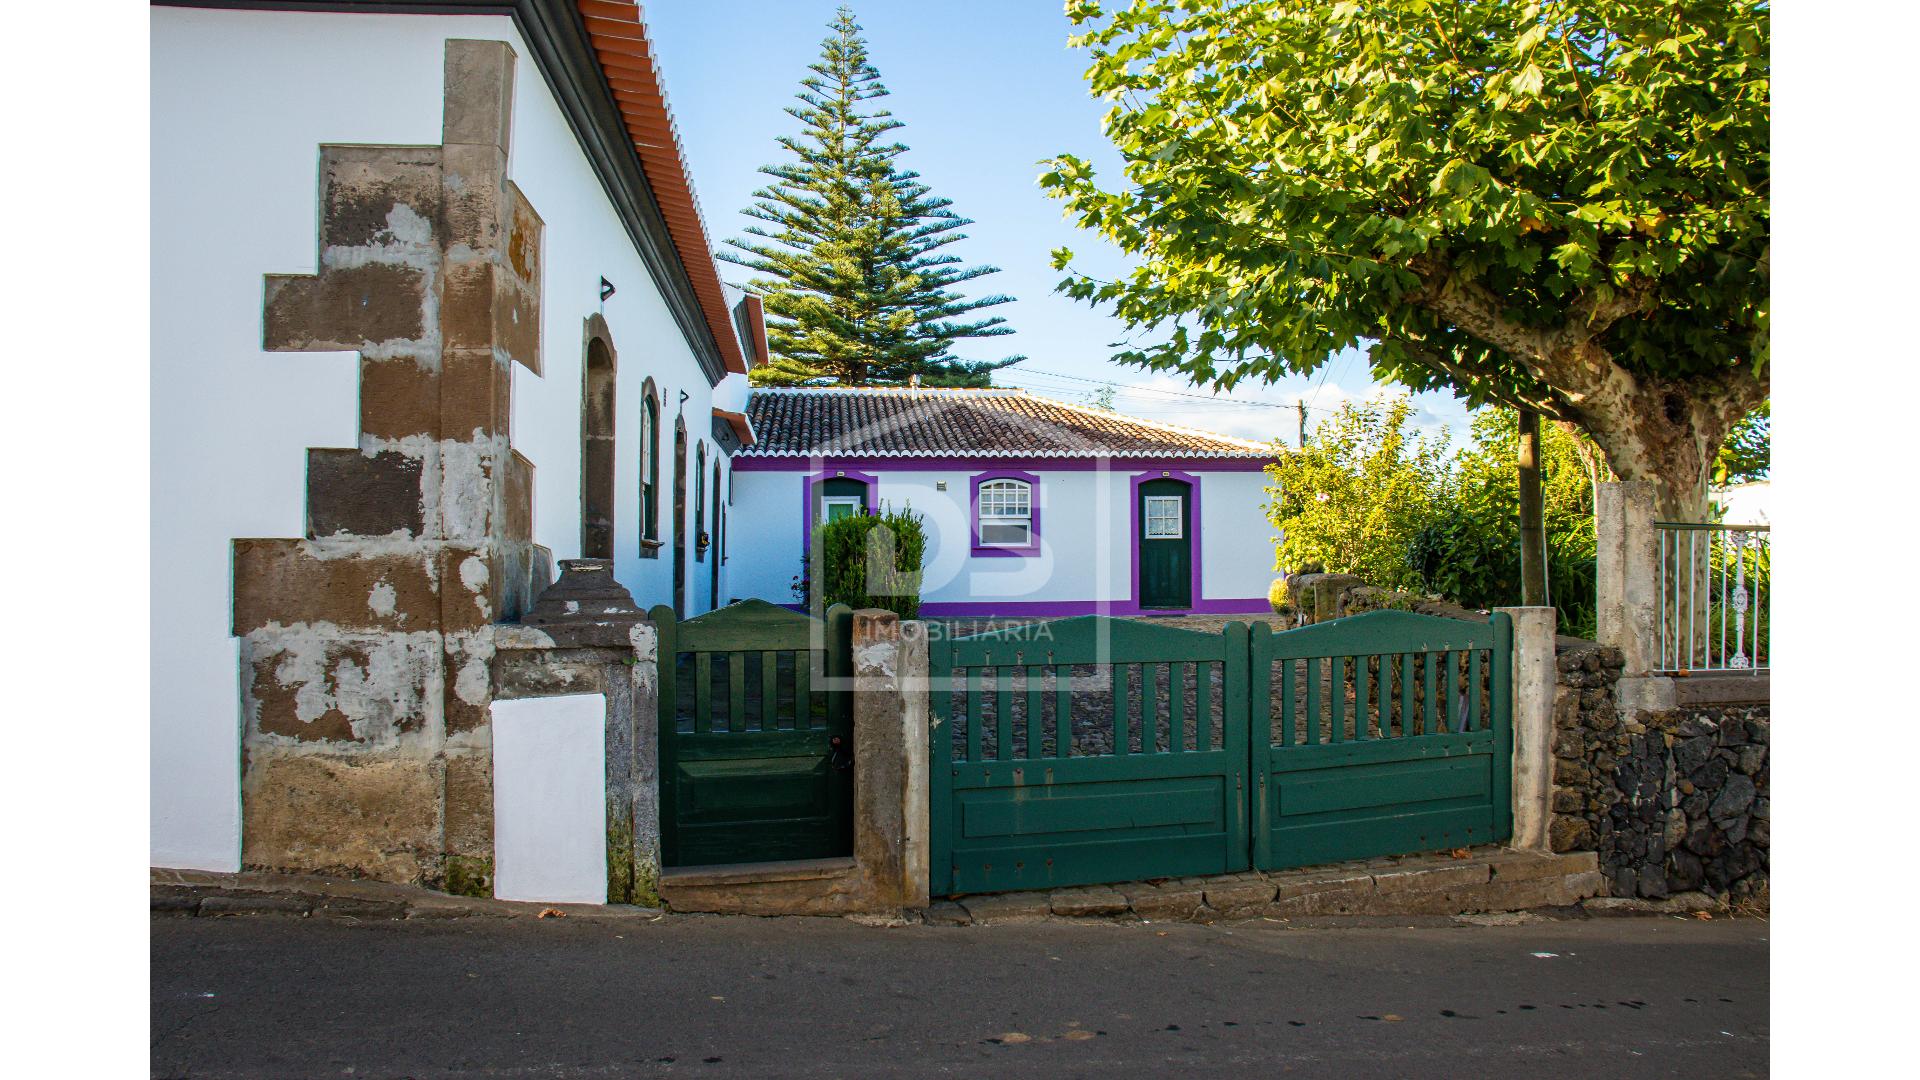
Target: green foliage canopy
(1368, 496)
(848, 258)
(1561, 205)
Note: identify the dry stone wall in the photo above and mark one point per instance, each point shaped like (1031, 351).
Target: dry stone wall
(1672, 801)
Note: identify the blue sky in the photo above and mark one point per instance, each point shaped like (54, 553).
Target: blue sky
(987, 89)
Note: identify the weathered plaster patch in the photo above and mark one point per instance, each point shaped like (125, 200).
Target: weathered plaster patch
(383, 598)
(473, 574)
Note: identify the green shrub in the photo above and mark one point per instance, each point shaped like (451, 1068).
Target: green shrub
(1277, 596)
(872, 561)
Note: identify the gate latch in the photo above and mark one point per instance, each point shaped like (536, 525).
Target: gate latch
(838, 756)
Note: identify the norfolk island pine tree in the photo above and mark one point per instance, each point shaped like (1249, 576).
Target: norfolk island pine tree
(849, 260)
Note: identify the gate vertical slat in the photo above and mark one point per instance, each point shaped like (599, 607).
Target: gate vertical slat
(702, 693)
(1003, 711)
(940, 768)
(736, 692)
(1474, 692)
(803, 690)
(1036, 728)
(769, 690)
(1176, 708)
(1120, 705)
(1429, 718)
(1337, 690)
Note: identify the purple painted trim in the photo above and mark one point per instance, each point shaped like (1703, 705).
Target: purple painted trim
(831, 472)
(1032, 547)
(743, 463)
(1059, 609)
(1192, 530)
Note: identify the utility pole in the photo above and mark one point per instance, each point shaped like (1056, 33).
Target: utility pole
(1303, 423)
(1533, 530)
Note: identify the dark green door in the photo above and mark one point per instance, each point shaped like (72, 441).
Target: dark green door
(1165, 516)
(756, 736)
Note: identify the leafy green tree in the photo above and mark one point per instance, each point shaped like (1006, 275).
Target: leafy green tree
(1748, 452)
(1470, 549)
(849, 258)
(1559, 204)
(1353, 498)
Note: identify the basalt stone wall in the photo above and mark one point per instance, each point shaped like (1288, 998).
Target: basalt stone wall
(1672, 801)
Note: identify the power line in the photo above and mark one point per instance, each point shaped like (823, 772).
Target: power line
(1122, 388)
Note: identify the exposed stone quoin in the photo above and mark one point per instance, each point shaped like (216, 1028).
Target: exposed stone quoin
(366, 645)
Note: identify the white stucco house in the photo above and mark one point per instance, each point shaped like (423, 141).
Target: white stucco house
(1033, 507)
(435, 309)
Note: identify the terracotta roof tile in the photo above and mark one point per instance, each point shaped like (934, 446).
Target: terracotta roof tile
(854, 423)
(619, 35)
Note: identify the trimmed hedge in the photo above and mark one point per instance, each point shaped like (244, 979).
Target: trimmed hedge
(858, 569)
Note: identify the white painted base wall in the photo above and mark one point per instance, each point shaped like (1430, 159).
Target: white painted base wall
(549, 799)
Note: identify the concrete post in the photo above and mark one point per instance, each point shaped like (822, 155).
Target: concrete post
(1628, 570)
(915, 715)
(889, 759)
(644, 787)
(1533, 685)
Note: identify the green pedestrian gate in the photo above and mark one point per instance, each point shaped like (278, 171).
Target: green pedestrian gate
(1095, 750)
(756, 735)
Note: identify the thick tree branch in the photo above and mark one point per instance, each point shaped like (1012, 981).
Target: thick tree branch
(1549, 405)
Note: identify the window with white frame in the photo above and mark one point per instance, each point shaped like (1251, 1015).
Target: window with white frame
(1006, 513)
(1163, 517)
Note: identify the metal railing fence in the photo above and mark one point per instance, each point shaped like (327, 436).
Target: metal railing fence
(1714, 584)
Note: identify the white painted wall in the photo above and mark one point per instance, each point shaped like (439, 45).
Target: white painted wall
(549, 799)
(1237, 540)
(241, 103)
(1085, 532)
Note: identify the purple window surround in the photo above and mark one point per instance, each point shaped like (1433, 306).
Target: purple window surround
(1192, 531)
(832, 472)
(748, 463)
(1032, 547)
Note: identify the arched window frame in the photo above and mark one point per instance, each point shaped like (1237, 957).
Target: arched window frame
(701, 541)
(1031, 548)
(599, 442)
(649, 471)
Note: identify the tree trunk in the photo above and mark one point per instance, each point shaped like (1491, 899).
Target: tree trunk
(1667, 432)
(1533, 528)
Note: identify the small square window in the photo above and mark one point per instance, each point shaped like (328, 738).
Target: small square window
(1164, 517)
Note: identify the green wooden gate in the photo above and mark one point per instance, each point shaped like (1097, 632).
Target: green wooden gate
(1100, 750)
(756, 735)
(1087, 750)
(1381, 734)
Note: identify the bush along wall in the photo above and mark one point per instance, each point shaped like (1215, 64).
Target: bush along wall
(872, 561)
(1673, 802)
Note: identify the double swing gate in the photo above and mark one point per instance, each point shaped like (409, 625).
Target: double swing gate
(1095, 750)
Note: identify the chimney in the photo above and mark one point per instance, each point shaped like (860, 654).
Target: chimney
(913, 382)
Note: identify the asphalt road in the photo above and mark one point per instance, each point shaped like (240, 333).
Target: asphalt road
(718, 997)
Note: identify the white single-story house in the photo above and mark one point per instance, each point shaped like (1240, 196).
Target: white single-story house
(1033, 507)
